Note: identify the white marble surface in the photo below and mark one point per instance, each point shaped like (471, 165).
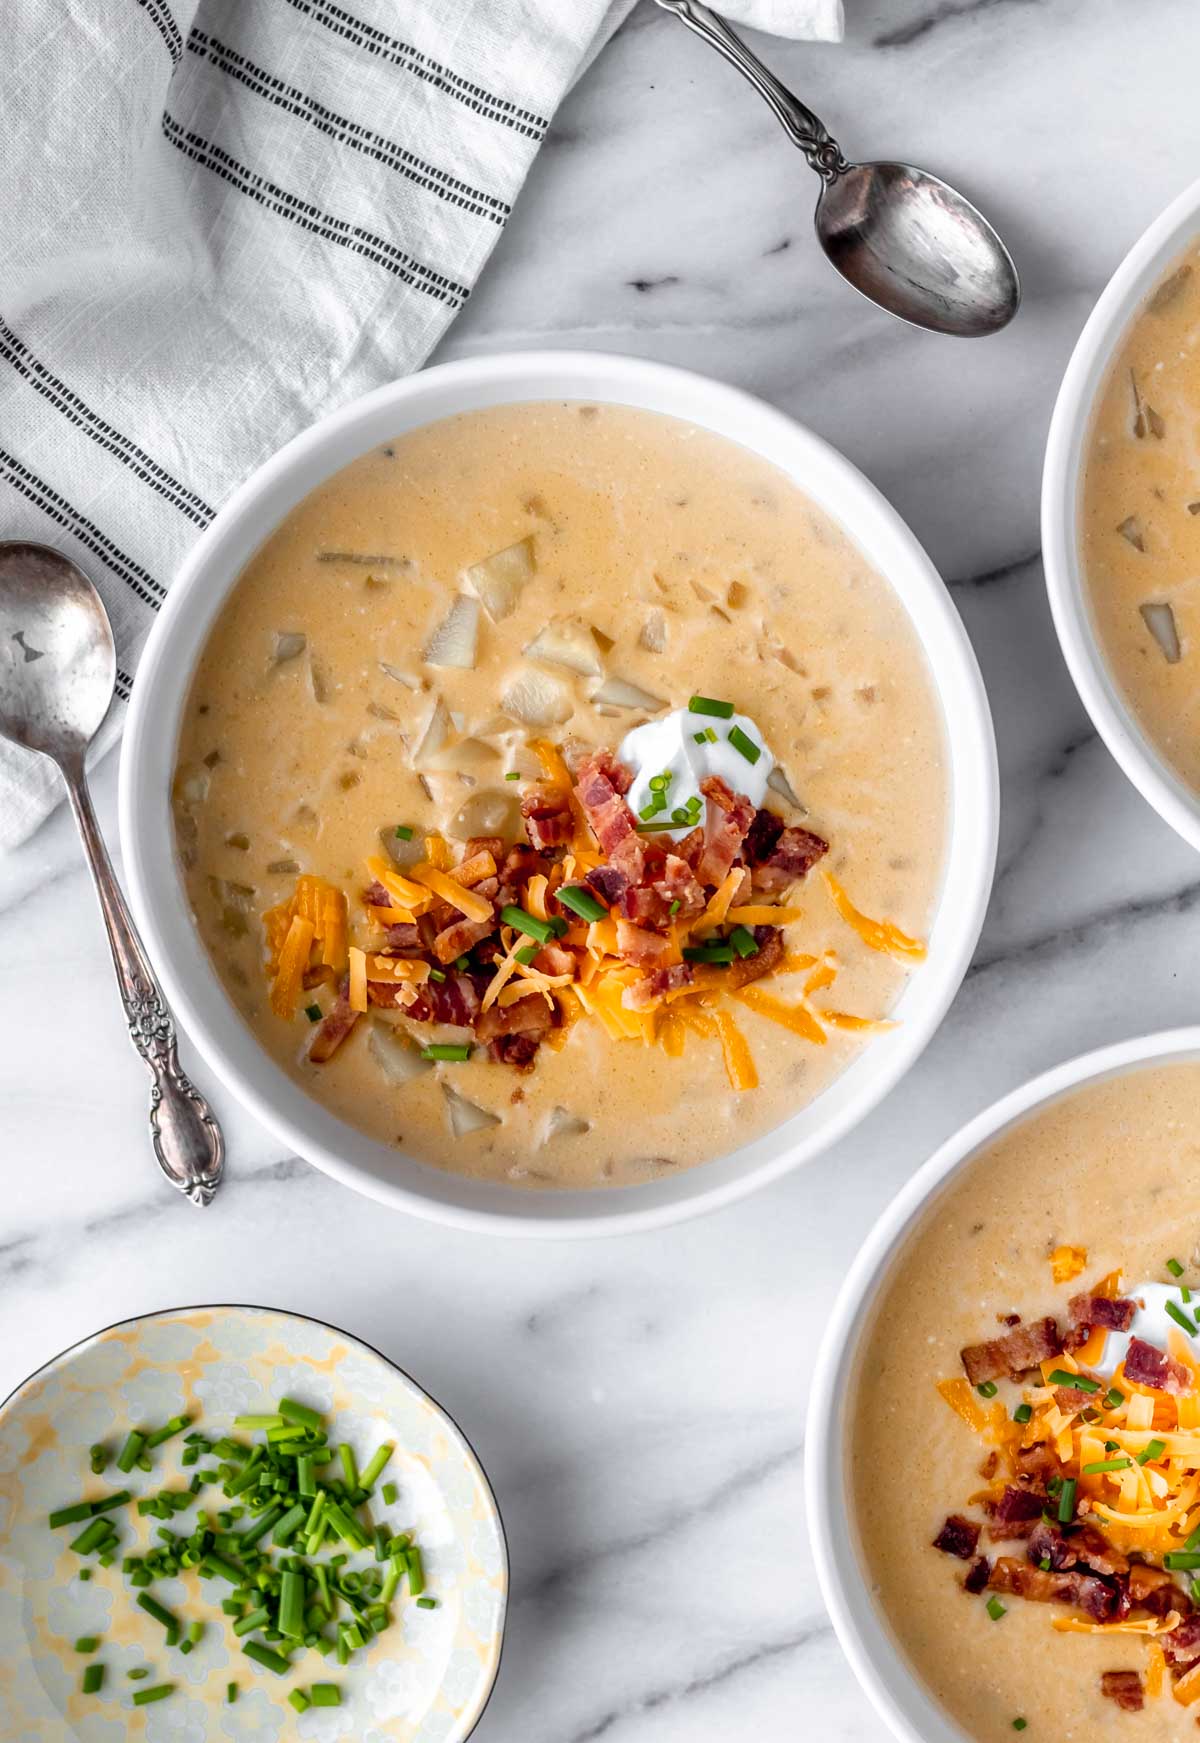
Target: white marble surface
(639, 1403)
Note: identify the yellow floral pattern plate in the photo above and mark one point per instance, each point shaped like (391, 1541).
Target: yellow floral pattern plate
(425, 1680)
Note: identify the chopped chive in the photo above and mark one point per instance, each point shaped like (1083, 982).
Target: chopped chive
(462, 963)
(656, 828)
(996, 1609)
(91, 1537)
(700, 737)
(288, 1526)
(987, 1388)
(426, 1603)
(710, 735)
(147, 1697)
(93, 1679)
(390, 1493)
(87, 1643)
(1153, 1449)
(1101, 1465)
(85, 1573)
(526, 954)
(708, 953)
(1181, 1318)
(437, 974)
(1077, 1382)
(152, 1607)
(1020, 1724)
(131, 1451)
(301, 1414)
(325, 1694)
(1113, 1398)
(403, 832)
(1193, 1541)
(1174, 1267)
(581, 902)
(231, 1693)
(376, 1465)
(659, 783)
(138, 1675)
(299, 1700)
(349, 1468)
(1066, 1501)
(743, 941)
(542, 930)
(513, 775)
(1023, 1413)
(263, 1421)
(679, 815)
(228, 1570)
(176, 1426)
(313, 1013)
(675, 906)
(457, 1051)
(416, 1572)
(269, 1660)
(1181, 1559)
(744, 745)
(256, 1619)
(1185, 1294)
(649, 811)
(706, 705)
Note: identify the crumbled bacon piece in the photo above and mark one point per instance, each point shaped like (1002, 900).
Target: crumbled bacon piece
(679, 889)
(375, 896)
(1094, 1596)
(1039, 1460)
(600, 789)
(1072, 1399)
(515, 1050)
(1015, 1512)
(629, 858)
(765, 960)
(1098, 1310)
(958, 1536)
(405, 939)
(1014, 1354)
(762, 835)
(792, 858)
(1182, 1644)
(728, 815)
(555, 958)
(519, 864)
(1124, 1687)
(637, 945)
(644, 994)
(1146, 1365)
(548, 819)
(493, 844)
(1084, 1547)
(334, 1028)
(645, 907)
(691, 848)
(458, 938)
(976, 1577)
(528, 1016)
(608, 882)
(1153, 1589)
(454, 1000)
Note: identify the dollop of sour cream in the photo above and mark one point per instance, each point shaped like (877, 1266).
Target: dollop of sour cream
(688, 747)
(1151, 1322)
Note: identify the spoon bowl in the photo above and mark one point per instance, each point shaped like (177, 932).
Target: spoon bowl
(58, 666)
(907, 240)
(913, 244)
(58, 662)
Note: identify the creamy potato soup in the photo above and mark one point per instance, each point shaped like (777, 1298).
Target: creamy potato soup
(1025, 1424)
(560, 795)
(1140, 518)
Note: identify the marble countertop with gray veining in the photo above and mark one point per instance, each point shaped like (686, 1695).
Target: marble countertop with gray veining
(639, 1403)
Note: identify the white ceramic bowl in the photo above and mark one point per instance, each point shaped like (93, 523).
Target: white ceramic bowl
(153, 724)
(1115, 721)
(897, 1693)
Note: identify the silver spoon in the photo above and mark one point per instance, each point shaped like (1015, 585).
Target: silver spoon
(57, 671)
(903, 238)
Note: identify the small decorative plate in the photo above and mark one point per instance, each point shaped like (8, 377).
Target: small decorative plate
(426, 1679)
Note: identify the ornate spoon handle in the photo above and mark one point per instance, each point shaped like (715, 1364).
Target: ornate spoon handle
(802, 127)
(186, 1137)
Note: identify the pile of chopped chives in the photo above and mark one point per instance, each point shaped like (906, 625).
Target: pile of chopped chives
(286, 1504)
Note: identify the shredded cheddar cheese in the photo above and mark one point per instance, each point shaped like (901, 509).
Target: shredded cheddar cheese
(357, 993)
(1066, 1263)
(958, 1395)
(739, 1066)
(881, 935)
(797, 1018)
(293, 960)
(403, 892)
(472, 906)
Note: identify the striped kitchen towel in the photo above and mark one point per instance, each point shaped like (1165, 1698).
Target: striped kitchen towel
(219, 219)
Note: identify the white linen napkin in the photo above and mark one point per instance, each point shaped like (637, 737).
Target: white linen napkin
(219, 220)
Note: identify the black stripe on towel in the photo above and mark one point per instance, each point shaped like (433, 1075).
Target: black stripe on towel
(347, 132)
(166, 26)
(287, 205)
(422, 66)
(15, 352)
(148, 590)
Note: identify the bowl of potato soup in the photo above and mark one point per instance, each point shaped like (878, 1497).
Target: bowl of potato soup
(1003, 1476)
(1121, 515)
(559, 794)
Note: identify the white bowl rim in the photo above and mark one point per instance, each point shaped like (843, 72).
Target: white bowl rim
(881, 1669)
(161, 909)
(1153, 776)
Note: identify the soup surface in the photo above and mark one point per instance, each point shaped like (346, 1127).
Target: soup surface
(666, 562)
(1112, 1172)
(1140, 518)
